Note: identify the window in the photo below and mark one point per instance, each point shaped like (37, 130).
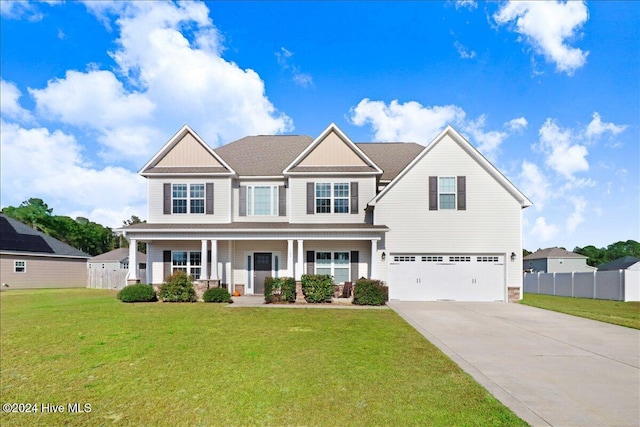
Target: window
(20, 266)
(459, 259)
(487, 259)
(404, 258)
(334, 195)
(189, 262)
(336, 264)
(187, 198)
(432, 259)
(262, 200)
(447, 192)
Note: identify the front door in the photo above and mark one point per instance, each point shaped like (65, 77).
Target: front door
(261, 270)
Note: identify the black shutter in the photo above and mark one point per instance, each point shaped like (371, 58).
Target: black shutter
(166, 264)
(242, 201)
(462, 193)
(354, 197)
(311, 260)
(354, 265)
(433, 193)
(311, 198)
(282, 201)
(209, 198)
(167, 199)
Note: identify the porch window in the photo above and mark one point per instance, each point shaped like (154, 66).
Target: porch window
(188, 262)
(332, 197)
(262, 200)
(336, 264)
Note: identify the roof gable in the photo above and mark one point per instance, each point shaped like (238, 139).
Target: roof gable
(472, 152)
(332, 152)
(186, 153)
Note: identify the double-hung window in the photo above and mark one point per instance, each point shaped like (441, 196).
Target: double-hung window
(334, 264)
(262, 200)
(20, 266)
(187, 198)
(447, 192)
(188, 262)
(332, 197)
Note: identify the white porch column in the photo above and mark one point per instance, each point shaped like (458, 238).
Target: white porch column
(214, 259)
(203, 261)
(133, 260)
(374, 259)
(230, 286)
(300, 265)
(290, 258)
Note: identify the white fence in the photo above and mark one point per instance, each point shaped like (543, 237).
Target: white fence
(99, 278)
(610, 285)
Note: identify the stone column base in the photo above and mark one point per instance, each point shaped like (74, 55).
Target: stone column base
(513, 294)
(299, 294)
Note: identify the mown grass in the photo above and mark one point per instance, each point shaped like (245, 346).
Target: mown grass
(616, 312)
(206, 364)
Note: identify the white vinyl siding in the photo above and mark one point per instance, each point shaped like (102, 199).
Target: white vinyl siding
(298, 195)
(490, 224)
(221, 200)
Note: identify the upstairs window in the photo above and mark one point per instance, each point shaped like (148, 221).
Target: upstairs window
(332, 197)
(262, 200)
(196, 195)
(187, 198)
(447, 192)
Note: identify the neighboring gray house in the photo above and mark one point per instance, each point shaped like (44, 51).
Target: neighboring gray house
(117, 259)
(32, 259)
(438, 222)
(556, 260)
(624, 263)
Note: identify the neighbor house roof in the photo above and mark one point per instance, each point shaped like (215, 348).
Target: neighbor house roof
(619, 264)
(553, 253)
(16, 237)
(117, 255)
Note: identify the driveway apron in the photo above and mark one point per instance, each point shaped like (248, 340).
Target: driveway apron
(548, 368)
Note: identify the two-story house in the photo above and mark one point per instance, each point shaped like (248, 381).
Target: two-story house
(434, 222)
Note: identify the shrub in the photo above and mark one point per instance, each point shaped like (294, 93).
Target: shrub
(370, 292)
(139, 292)
(217, 295)
(317, 287)
(281, 289)
(178, 288)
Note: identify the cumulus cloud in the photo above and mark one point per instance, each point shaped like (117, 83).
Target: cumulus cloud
(283, 57)
(543, 231)
(597, 127)
(534, 183)
(549, 27)
(577, 216)
(563, 154)
(463, 52)
(518, 124)
(39, 163)
(9, 103)
(468, 4)
(20, 10)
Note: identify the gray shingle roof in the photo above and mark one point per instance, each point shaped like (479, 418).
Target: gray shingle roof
(57, 247)
(119, 254)
(619, 264)
(391, 157)
(553, 253)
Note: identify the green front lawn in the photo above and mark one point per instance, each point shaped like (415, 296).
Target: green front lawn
(616, 312)
(206, 364)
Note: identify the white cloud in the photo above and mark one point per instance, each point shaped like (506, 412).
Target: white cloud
(488, 142)
(597, 127)
(10, 106)
(543, 231)
(518, 124)
(469, 4)
(283, 57)
(549, 27)
(562, 154)
(534, 184)
(463, 51)
(410, 122)
(577, 216)
(20, 9)
(50, 165)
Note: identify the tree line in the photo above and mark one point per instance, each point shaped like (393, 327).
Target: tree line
(87, 236)
(597, 256)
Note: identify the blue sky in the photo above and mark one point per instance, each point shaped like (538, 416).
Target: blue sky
(548, 91)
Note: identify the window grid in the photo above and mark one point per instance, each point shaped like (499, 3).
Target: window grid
(188, 198)
(404, 258)
(336, 264)
(459, 259)
(334, 195)
(20, 266)
(487, 259)
(432, 259)
(188, 262)
(447, 192)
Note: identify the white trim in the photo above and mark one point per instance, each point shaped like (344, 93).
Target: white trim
(331, 128)
(15, 266)
(473, 152)
(174, 140)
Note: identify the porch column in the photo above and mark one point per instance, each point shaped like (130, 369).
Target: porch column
(300, 265)
(214, 259)
(290, 258)
(374, 259)
(203, 260)
(230, 285)
(133, 260)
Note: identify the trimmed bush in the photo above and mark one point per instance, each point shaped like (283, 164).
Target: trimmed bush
(370, 292)
(139, 292)
(178, 288)
(217, 295)
(281, 289)
(317, 287)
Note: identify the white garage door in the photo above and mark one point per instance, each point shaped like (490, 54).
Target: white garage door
(473, 277)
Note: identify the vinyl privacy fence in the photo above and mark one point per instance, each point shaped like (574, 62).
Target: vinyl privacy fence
(609, 285)
(99, 278)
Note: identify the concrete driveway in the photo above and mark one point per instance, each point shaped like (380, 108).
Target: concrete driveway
(548, 368)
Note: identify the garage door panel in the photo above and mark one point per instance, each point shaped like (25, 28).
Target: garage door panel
(476, 277)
